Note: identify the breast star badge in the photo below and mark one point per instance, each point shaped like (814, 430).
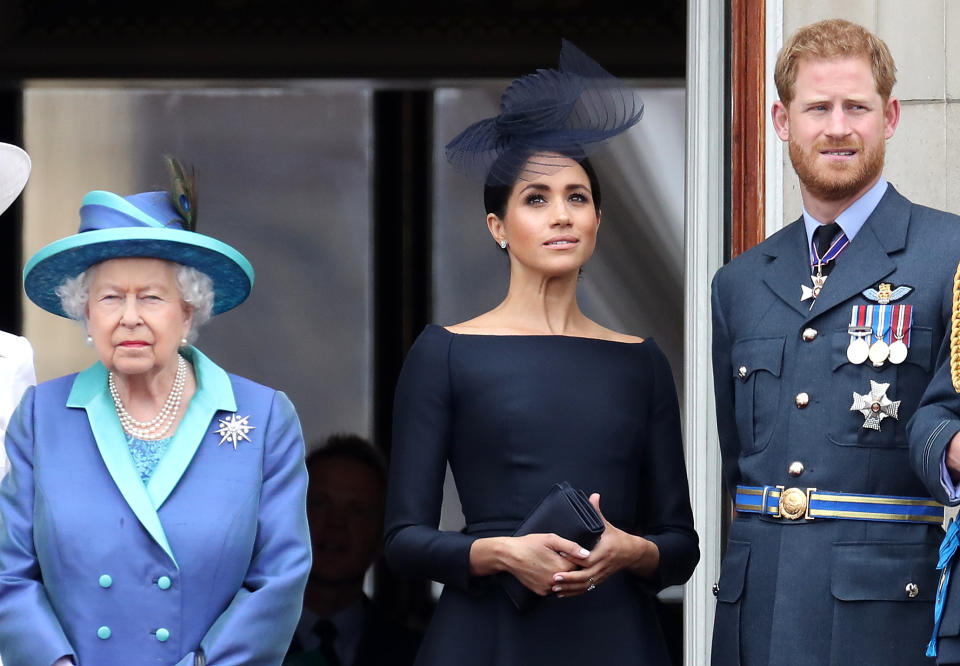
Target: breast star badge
(234, 429)
(875, 405)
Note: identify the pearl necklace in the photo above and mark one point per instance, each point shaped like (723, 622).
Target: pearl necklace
(157, 427)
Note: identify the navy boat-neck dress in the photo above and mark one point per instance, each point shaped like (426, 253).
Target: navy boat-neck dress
(514, 415)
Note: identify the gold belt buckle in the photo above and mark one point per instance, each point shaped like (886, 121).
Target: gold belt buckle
(795, 503)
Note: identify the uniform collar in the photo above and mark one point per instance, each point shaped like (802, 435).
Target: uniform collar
(853, 217)
(214, 393)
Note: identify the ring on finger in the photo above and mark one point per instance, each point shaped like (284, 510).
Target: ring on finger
(592, 585)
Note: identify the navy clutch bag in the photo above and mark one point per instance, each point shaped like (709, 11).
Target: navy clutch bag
(566, 512)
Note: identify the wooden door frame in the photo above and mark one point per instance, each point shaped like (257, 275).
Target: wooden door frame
(748, 111)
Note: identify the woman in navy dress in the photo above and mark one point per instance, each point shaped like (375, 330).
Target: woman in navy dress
(532, 393)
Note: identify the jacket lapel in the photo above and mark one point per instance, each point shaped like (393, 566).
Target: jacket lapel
(789, 268)
(90, 392)
(866, 261)
(214, 393)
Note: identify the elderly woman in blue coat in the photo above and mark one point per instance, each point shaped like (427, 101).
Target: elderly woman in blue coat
(154, 512)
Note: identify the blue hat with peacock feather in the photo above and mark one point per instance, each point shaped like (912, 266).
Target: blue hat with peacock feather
(157, 225)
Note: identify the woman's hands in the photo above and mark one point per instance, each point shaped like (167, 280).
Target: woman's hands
(533, 559)
(616, 550)
(547, 563)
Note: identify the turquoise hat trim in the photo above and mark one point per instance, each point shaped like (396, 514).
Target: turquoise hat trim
(143, 236)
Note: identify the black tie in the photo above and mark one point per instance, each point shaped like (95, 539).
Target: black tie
(327, 631)
(823, 237)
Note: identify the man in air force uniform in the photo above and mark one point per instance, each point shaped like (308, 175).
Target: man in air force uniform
(825, 337)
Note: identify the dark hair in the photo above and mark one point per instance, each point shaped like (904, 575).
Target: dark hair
(348, 446)
(495, 196)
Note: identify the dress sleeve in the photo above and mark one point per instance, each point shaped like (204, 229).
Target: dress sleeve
(18, 371)
(421, 438)
(30, 632)
(257, 626)
(666, 518)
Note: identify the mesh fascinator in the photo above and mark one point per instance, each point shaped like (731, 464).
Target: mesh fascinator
(567, 111)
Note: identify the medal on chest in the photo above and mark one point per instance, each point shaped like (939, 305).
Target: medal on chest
(817, 263)
(811, 293)
(875, 405)
(880, 332)
(879, 349)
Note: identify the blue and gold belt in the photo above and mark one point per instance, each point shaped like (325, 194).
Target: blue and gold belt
(810, 503)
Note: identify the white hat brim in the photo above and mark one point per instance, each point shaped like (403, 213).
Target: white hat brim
(14, 172)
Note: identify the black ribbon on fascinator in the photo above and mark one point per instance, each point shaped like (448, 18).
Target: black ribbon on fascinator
(564, 112)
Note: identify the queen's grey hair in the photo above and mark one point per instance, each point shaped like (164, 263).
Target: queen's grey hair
(196, 290)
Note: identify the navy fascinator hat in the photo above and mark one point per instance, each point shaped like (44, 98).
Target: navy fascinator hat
(566, 111)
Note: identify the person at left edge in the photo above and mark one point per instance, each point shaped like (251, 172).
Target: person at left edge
(16, 354)
(154, 512)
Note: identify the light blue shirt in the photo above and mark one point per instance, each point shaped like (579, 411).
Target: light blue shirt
(852, 218)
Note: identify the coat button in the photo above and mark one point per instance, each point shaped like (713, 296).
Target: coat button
(162, 634)
(809, 334)
(103, 633)
(716, 589)
(802, 400)
(912, 590)
(742, 372)
(795, 468)
(105, 581)
(163, 583)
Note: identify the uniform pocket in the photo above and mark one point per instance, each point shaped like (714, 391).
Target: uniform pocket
(757, 364)
(906, 381)
(883, 602)
(726, 626)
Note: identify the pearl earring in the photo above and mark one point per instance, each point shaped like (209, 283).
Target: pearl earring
(89, 341)
(183, 342)
(503, 244)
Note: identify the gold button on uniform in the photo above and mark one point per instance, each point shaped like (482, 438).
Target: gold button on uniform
(912, 590)
(742, 372)
(795, 468)
(809, 334)
(802, 400)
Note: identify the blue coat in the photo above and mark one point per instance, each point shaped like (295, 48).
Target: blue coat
(935, 423)
(826, 591)
(214, 551)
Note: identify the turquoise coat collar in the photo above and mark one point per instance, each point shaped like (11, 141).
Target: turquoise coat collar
(214, 393)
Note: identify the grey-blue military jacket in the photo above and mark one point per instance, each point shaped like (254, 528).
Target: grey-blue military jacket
(934, 424)
(827, 591)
